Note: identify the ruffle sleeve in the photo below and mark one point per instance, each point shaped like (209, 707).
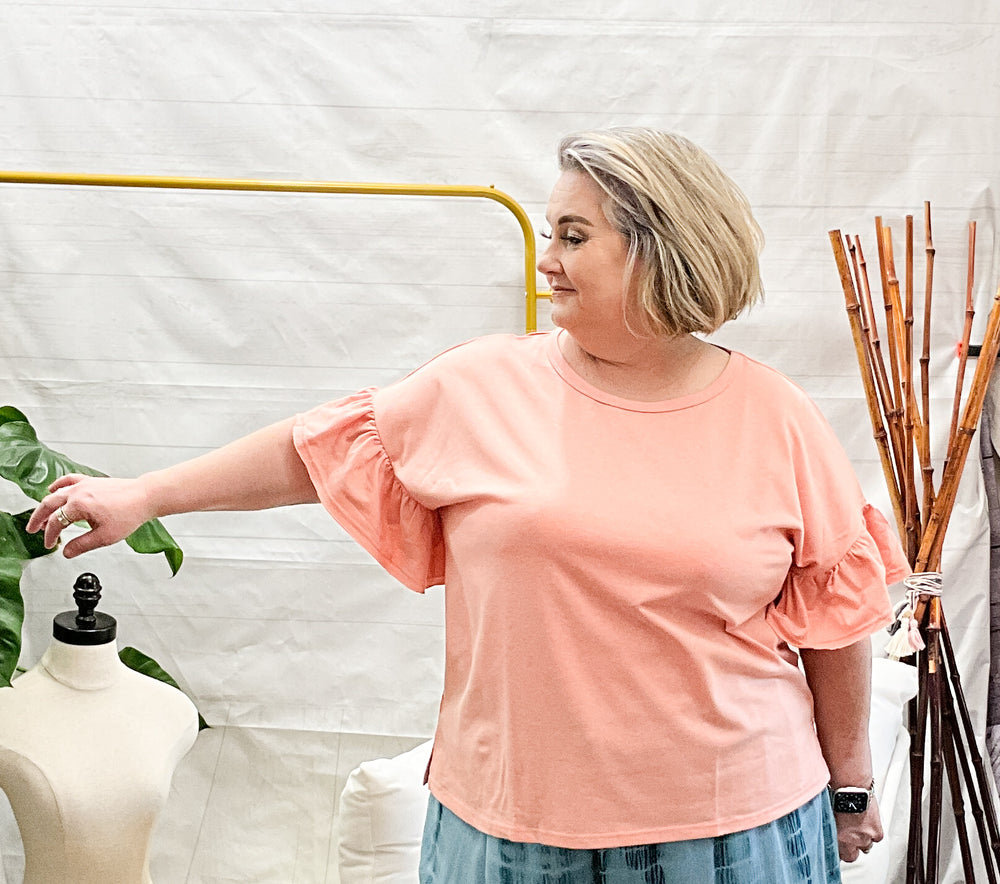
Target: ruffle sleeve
(834, 607)
(340, 446)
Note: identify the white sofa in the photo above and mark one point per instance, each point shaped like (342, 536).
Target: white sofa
(383, 804)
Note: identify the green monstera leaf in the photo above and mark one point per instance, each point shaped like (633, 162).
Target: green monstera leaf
(33, 466)
(9, 413)
(140, 662)
(11, 616)
(16, 548)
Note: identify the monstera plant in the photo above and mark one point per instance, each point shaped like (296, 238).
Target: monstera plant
(33, 466)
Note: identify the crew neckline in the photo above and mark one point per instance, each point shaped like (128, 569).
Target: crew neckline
(569, 374)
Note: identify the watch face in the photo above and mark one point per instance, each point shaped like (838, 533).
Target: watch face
(850, 801)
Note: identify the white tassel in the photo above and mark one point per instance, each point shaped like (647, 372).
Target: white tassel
(907, 639)
(913, 633)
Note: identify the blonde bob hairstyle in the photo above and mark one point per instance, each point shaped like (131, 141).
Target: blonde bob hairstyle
(691, 235)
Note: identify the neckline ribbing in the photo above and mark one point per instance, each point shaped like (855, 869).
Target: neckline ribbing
(571, 377)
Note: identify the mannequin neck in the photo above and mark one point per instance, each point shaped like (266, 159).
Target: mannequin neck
(83, 667)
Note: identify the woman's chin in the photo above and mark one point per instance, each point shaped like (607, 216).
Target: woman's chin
(561, 316)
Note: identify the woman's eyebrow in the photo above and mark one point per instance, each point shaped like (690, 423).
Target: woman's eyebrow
(574, 219)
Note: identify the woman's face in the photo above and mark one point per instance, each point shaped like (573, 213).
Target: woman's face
(584, 264)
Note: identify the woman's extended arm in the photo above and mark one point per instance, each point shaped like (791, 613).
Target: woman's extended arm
(256, 472)
(840, 681)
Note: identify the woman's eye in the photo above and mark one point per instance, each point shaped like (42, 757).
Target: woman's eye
(571, 237)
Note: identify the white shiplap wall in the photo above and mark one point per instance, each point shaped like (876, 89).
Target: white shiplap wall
(141, 327)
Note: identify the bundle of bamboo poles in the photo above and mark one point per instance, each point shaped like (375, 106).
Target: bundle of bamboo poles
(901, 421)
(901, 427)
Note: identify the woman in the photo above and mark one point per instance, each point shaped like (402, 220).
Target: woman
(635, 528)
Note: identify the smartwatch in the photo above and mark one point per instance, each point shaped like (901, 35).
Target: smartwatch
(852, 799)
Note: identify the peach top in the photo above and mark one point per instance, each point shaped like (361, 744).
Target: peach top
(623, 581)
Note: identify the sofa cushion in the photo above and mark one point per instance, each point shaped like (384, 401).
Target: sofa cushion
(382, 810)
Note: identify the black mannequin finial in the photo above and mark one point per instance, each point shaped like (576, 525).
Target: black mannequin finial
(86, 594)
(85, 626)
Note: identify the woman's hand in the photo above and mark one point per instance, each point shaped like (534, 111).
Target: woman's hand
(856, 832)
(112, 508)
(840, 681)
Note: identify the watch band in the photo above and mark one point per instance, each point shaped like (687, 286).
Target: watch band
(870, 788)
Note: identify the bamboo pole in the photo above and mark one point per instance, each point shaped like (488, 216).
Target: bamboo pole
(862, 288)
(911, 414)
(971, 790)
(934, 686)
(878, 429)
(957, 736)
(929, 556)
(955, 788)
(965, 718)
(869, 328)
(904, 340)
(895, 415)
(921, 439)
(963, 353)
(924, 446)
(955, 744)
(917, 726)
(885, 392)
(969, 783)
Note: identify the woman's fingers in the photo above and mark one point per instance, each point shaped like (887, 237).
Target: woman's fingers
(51, 502)
(53, 514)
(112, 508)
(58, 519)
(92, 539)
(63, 481)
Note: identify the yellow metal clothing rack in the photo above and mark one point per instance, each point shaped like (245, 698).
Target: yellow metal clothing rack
(265, 186)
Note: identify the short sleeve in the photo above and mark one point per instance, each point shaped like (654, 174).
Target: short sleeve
(340, 446)
(832, 607)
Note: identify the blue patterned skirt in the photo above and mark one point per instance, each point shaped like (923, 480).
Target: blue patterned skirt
(798, 848)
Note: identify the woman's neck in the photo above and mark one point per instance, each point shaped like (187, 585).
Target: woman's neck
(652, 370)
(83, 667)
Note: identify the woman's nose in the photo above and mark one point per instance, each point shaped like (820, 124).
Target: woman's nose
(547, 263)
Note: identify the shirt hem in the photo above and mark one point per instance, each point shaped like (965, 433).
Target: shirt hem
(849, 638)
(627, 837)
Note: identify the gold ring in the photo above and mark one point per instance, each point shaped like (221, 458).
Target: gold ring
(62, 518)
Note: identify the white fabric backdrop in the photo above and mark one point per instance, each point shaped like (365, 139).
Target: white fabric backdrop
(141, 327)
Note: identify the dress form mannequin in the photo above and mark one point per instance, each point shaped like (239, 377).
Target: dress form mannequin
(87, 751)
